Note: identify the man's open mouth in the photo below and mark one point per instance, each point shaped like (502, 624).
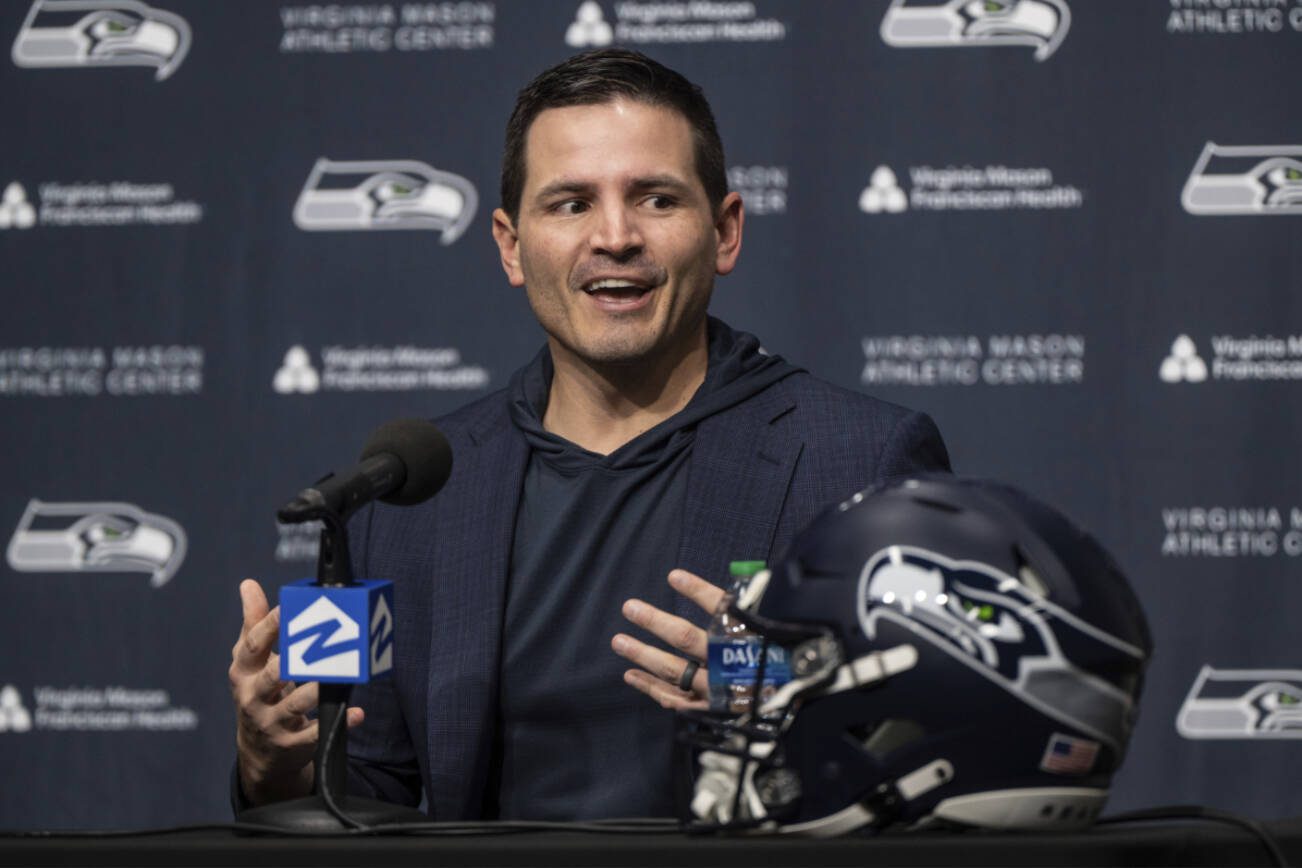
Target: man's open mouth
(614, 290)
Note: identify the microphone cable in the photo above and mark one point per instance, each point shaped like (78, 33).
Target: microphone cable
(339, 723)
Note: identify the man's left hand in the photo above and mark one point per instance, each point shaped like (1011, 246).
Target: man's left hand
(662, 672)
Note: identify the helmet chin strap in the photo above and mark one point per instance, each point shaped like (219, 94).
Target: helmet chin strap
(722, 774)
(882, 806)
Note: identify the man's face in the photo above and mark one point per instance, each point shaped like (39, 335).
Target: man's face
(616, 243)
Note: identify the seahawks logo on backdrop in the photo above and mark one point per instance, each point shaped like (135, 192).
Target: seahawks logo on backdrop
(385, 194)
(1243, 704)
(1039, 24)
(96, 538)
(1004, 628)
(1252, 179)
(71, 33)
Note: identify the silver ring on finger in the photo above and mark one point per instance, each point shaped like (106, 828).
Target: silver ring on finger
(689, 675)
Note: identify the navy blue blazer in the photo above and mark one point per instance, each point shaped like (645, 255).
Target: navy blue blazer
(759, 472)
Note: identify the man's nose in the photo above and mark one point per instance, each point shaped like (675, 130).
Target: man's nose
(616, 232)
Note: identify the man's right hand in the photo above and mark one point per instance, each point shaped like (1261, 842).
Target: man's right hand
(274, 739)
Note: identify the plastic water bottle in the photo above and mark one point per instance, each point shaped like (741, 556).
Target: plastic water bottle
(734, 652)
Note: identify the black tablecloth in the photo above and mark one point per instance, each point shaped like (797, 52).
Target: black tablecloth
(1147, 844)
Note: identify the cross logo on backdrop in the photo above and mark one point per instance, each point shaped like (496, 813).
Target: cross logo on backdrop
(883, 193)
(590, 28)
(1184, 364)
(14, 716)
(296, 374)
(15, 210)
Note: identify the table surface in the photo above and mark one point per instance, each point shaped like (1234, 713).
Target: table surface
(1166, 843)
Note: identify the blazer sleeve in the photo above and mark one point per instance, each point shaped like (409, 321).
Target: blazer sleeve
(913, 446)
(381, 755)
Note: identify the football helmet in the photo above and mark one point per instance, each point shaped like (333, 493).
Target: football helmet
(960, 652)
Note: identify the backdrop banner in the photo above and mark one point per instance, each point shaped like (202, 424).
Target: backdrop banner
(237, 236)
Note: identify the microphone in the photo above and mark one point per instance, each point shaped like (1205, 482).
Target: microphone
(338, 630)
(404, 462)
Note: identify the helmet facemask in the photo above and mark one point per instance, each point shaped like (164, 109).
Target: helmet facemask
(743, 780)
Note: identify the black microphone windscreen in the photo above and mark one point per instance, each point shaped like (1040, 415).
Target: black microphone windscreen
(422, 448)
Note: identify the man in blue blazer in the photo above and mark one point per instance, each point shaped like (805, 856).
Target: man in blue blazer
(646, 440)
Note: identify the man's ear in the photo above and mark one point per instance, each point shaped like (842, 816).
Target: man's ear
(727, 226)
(508, 245)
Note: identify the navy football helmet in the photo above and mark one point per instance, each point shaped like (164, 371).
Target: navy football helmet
(960, 653)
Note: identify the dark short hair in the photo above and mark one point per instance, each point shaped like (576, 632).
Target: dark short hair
(601, 76)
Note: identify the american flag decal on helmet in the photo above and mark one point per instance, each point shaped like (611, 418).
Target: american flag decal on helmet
(1065, 755)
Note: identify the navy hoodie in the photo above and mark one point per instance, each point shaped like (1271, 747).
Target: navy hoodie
(574, 741)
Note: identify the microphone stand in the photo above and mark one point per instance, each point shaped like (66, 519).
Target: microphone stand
(329, 808)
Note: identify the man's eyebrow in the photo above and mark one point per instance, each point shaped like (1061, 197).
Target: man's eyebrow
(661, 182)
(563, 186)
(569, 186)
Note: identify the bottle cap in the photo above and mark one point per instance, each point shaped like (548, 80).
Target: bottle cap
(743, 569)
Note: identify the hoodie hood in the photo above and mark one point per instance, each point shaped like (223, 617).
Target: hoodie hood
(737, 370)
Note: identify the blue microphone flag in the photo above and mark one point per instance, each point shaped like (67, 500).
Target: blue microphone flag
(337, 635)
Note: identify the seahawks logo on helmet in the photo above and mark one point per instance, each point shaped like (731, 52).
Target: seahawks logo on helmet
(1002, 627)
(385, 194)
(1040, 24)
(71, 33)
(1243, 703)
(1245, 180)
(96, 538)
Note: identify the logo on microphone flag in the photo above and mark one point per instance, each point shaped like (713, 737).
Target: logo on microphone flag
(321, 632)
(381, 638)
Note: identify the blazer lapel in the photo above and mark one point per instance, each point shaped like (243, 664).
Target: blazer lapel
(741, 467)
(465, 642)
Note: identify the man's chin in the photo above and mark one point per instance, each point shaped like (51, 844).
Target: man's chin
(629, 343)
(617, 353)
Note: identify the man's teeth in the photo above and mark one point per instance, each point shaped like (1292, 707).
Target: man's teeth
(621, 285)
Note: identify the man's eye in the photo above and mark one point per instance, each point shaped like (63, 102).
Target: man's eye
(661, 202)
(570, 206)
